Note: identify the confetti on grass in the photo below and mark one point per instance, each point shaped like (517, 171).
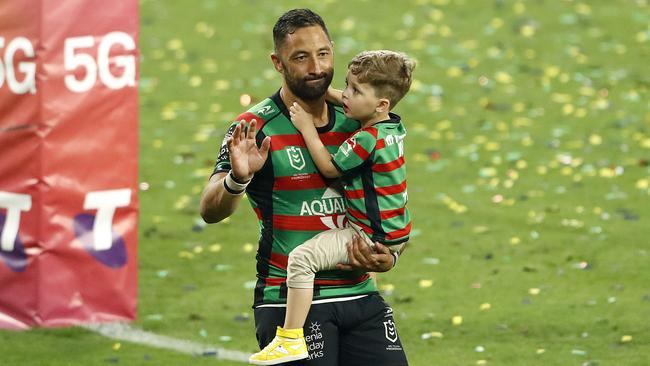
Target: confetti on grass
(540, 147)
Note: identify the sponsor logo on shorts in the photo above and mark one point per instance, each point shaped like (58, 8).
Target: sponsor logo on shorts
(315, 341)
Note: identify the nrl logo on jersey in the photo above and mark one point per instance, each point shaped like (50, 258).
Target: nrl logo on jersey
(296, 159)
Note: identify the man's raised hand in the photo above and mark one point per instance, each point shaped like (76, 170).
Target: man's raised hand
(245, 157)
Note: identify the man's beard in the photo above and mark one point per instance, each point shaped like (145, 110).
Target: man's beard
(309, 91)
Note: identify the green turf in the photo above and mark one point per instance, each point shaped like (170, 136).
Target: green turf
(528, 156)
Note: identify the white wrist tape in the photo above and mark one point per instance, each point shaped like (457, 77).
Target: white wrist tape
(233, 186)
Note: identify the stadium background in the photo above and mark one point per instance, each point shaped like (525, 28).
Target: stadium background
(528, 156)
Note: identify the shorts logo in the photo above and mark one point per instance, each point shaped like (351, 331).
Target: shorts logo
(314, 327)
(390, 331)
(389, 312)
(296, 159)
(315, 342)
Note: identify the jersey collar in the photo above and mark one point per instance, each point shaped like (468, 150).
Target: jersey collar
(392, 118)
(331, 113)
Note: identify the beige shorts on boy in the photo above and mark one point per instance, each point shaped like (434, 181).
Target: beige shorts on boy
(323, 252)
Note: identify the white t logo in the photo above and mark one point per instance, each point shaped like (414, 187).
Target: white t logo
(105, 202)
(14, 203)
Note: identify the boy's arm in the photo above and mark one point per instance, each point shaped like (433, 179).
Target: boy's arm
(319, 153)
(334, 96)
(362, 256)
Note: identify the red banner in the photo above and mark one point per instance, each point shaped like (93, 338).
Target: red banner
(68, 162)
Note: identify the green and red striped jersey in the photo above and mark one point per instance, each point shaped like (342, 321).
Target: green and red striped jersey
(374, 173)
(293, 201)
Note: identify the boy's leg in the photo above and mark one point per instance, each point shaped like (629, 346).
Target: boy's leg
(300, 283)
(298, 303)
(321, 333)
(322, 252)
(304, 261)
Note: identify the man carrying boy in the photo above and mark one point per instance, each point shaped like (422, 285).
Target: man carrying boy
(371, 163)
(349, 323)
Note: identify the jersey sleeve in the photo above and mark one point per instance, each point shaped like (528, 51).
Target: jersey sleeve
(354, 151)
(223, 159)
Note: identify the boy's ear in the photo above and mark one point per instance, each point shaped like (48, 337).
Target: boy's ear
(383, 105)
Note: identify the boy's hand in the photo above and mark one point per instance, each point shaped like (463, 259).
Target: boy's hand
(300, 119)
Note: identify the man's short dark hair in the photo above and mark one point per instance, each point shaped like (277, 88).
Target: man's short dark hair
(295, 19)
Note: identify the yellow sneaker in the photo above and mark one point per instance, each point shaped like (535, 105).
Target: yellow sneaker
(288, 345)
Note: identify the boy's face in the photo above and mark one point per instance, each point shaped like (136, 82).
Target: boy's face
(359, 99)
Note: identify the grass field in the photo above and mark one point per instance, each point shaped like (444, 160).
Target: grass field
(529, 180)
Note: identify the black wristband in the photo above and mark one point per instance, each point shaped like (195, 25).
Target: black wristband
(230, 190)
(237, 180)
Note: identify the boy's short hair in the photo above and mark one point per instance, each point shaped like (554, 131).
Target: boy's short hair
(388, 72)
(295, 19)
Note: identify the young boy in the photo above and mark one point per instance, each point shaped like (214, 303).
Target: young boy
(371, 164)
